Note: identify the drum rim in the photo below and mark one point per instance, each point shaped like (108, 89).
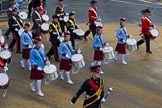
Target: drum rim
(132, 40)
(45, 17)
(23, 13)
(45, 25)
(53, 68)
(6, 77)
(153, 31)
(5, 54)
(79, 55)
(107, 49)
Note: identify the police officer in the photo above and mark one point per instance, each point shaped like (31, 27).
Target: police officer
(94, 88)
(54, 37)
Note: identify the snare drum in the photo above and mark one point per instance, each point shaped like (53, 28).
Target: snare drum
(6, 56)
(20, 31)
(108, 52)
(78, 61)
(45, 17)
(50, 72)
(131, 44)
(2, 39)
(4, 81)
(44, 28)
(80, 33)
(66, 18)
(154, 33)
(98, 23)
(23, 15)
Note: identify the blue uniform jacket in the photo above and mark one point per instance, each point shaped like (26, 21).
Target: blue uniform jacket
(121, 33)
(98, 42)
(66, 47)
(37, 57)
(26, 39)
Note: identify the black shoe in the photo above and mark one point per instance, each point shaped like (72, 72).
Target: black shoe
(49, 57)
(18, 52)
(10, 49)
(149, 52)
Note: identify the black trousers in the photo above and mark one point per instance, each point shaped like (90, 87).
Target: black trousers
(92, 28)
(7, 33)
(54, 51)
(15, 40)
(30, 6)
(147, 39)
(62, 25)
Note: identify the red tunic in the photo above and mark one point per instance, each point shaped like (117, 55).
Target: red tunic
(146, 24)
(92, 13)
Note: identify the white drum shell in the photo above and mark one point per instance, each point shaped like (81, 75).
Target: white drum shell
(108, 52)
(20, 31)
(2, 39)
(98, 24)
(50, 72)
(78, 61)
(131, 44)
(5, 54)
(79, 32)
(154, 32)
(66, 18)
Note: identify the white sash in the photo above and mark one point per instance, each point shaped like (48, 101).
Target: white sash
(148, 20)
(94, 11)
(38, 15)
(55, 29)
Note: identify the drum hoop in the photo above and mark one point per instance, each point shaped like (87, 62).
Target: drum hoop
(152, 33)
(45, 26)
(131, 41)
(79, 57)
(6, 76)
(49, 66)
(107, 49)
(45, 17)
(2, 54)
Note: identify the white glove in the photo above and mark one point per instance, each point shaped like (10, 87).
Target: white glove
(71, 103)
(61, 19)
(107, 44)
(79, 51)
(29, 46)
(124, 41)
(67, 56)
(38, 68)
(103, 100)
(47, 62)
(5, 68)
(16, 29)
(100, 49)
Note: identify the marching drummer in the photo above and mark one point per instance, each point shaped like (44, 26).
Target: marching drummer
(15, 23)
(146, 26)
(38, 61)
(71, 26)
(94, 88)
(54, 38)
(27, 45)
(66, 50)
(60, 10)
(92, 14)
(121, 36)
(37, 20)
(98, 44)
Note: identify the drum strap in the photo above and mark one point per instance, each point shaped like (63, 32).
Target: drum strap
(38, 15)
(55, 29)
(94, 12)
(40, 55)
(68, 47)
(17, 21)
(124, 31)
(100, 40)
(148, 20)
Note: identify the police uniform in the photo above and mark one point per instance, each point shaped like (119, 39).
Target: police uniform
(146, 25)
(94, 89)
(92, 14)
(66, 51)
(15, 24)
(71, 25)
(60, 10)
(27, 44)
(54, 35)
(37, 20)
